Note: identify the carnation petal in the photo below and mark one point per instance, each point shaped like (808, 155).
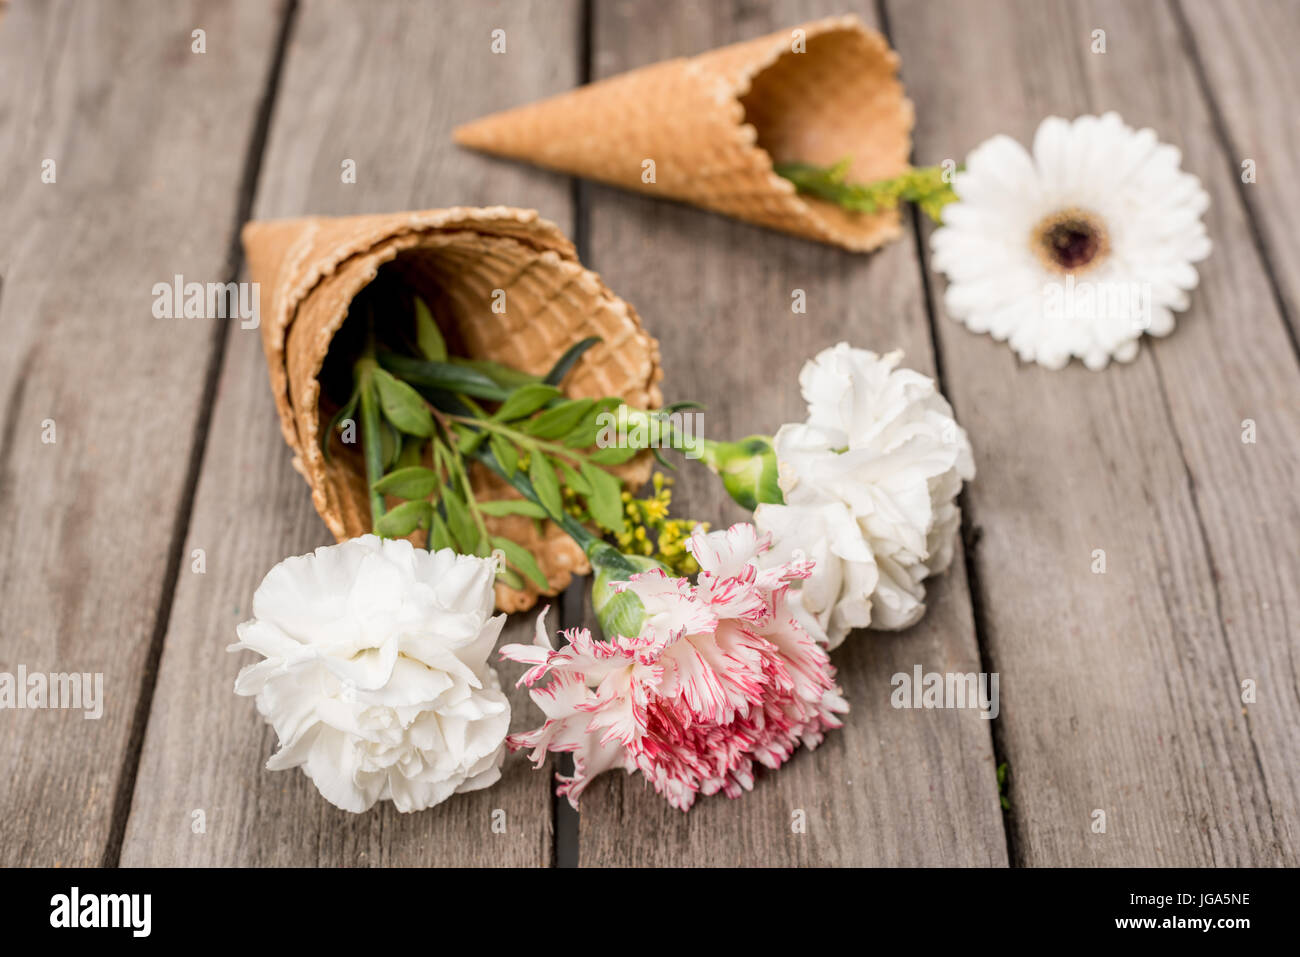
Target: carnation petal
(692, 700)
(374, 671)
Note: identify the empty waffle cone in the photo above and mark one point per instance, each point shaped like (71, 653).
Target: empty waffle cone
(310, 270)
(714, 124)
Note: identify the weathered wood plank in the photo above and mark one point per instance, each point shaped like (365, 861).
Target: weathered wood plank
(891, 787)
(1247, 50)
(382, 84)
(146, 182)
(1121, 691)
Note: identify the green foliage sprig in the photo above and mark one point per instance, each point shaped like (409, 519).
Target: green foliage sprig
(927, 186)
(425, 416)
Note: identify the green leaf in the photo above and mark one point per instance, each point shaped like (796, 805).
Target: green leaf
(585, 434)
(345, 412)
(402, 405)
(439, 534)
(511, 579)
(560, 419)
(522, 559)
(412, 453)
(403, 520)
(505, 452)
(409, 483)
(569, 360)
(573, 479)
(442, 376)
(544, 483)
(606, 500)
(469, 439)
(390, 443)
(460, 521)
(525, 401)
(512, 506)
(614, 455)
(502, 375)
(427, 334)
(680, 407)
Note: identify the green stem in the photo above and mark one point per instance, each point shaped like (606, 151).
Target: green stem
(521, 439)
(458, 462)
(372, 442)
(747, 467)
(619, 612)
(688, 445)
(519, 482)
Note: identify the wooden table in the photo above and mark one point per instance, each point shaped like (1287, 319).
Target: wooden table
(1120, 692)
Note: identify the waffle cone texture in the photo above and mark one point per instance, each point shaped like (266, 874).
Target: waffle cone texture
(310, 270)
(715, 124)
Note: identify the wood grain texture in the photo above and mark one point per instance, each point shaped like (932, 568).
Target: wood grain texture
(1246, 51)
(1121, 691)
(382, 84)
(146, 186)
(891, 787)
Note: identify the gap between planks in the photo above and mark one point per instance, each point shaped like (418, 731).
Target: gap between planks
(969, 532)
(566, 851)
(1217, 823)
(181, 524)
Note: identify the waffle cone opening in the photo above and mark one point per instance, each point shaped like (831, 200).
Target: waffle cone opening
(839, 98)
(502, 284)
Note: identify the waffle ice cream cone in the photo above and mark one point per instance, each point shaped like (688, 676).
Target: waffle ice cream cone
(714, 124)
(309, 271)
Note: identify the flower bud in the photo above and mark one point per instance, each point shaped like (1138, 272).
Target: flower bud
(619, 612)
(747, 467)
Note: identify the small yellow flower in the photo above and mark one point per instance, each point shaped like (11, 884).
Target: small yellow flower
(655, 510)
(651, 532)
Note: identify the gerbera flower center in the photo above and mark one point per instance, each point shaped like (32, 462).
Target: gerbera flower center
(1070, 240)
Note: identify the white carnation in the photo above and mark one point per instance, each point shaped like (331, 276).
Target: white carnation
(870, 482)
(375, 674)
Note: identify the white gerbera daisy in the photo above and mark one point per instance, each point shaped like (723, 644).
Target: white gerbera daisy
(1076, 250)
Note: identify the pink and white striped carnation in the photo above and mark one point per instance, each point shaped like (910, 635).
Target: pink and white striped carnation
(720, 676)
